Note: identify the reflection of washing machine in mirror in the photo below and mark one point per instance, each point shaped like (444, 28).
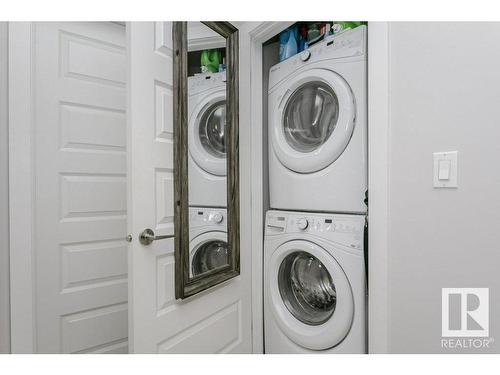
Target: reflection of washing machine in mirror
(318, 127)
(208, 247)
(206, 133)
(314, 283)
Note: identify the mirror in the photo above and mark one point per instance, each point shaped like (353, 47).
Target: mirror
(205, 155)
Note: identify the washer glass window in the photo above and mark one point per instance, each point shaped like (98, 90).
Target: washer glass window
(210, 255)
(310, 116)
(212, 129)
(307, 289)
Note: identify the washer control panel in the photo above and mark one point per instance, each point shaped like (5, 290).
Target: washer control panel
(302, 223)
(345, 229)
(206, 216)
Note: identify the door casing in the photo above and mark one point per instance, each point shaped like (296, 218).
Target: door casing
(21, 188)
(4, 194)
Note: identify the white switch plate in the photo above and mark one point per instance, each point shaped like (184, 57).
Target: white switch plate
(447, 160)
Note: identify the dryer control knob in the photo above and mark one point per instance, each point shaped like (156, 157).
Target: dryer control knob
(217, 218)
(302, 223)
(305, 55)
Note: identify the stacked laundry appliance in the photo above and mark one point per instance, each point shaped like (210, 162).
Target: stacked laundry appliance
(207, 172)
(314, 267)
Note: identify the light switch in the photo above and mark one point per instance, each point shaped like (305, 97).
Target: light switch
(445, 169)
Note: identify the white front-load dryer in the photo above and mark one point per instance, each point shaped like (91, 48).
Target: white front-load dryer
(206, 140)
(314, 283)
(208, 248)
(318, 127)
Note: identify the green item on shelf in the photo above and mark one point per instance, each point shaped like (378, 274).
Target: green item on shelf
(210, 60)
(312, 31)
(339, 26)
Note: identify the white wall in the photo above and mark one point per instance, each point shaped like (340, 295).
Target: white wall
(4, 195)
(444, 95)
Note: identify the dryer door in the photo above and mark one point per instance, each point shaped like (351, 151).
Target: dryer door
(310, 295)
(209, 251)
(207, 131)
(313, 121)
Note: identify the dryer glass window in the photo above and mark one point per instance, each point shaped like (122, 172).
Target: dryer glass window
(310, 116)
(307, 289)
(212, 129)
(210, 256)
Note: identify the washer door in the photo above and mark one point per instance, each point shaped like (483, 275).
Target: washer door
(207, 131)
(209, 251)
(311, 297)
(314, 120)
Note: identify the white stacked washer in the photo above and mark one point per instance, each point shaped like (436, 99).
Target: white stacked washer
(314, 283)
(318, 127)
(206, 133)
(208, 247)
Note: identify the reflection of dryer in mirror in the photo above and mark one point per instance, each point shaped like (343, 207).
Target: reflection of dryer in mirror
(314, 283)
(207, 146)
(208, 248)
(318, 127)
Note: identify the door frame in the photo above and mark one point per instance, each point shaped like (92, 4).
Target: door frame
(378, 132)
(4, 193)
(21, 187)
(378, 186)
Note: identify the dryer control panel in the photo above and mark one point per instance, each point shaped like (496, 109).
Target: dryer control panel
(351, 44)
(206, 81)
(344, 229)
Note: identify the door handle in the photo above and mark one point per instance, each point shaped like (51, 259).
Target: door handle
(148, 236)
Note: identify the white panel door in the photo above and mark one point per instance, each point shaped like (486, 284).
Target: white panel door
(217, 320)
(80, 177)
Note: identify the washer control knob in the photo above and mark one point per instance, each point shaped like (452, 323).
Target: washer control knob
(305, 55)
(302, 223)
(217, 218)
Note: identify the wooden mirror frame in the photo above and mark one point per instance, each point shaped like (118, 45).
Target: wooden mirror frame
(184, 285)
